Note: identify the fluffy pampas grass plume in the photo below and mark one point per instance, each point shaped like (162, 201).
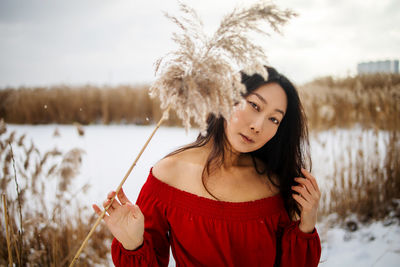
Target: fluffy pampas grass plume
(202, 75)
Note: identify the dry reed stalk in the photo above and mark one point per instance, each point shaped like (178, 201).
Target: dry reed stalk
(14, 242)
(10, 259)
(20, 232)
(164, 117)
(3, 127)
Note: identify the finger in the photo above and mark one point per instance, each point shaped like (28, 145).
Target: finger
(99, 212)
(303, 192)
(96, 209)
(311, 178)
(106, 205)
(306, 183)
(122, 197)
(115, 202)
(111, 195)
(314, 182)
(314, 195)
(303, 203)
(110, 207)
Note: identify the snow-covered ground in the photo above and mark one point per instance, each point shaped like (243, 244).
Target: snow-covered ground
(372, 245)
(110, 150)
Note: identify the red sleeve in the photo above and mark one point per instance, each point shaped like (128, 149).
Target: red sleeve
(299, 248)
(156, 246)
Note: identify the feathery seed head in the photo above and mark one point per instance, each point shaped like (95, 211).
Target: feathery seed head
(202, 75)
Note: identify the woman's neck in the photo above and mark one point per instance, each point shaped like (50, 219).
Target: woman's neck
(232, 158)
(236, 159)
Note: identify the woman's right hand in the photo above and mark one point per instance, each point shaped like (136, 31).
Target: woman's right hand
(125, 220)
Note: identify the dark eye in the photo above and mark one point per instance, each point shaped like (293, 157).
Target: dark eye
(254, 105)
(274, 120)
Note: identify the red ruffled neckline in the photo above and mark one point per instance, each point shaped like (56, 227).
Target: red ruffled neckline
(203, 206)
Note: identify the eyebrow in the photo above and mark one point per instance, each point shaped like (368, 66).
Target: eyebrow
(265, 102)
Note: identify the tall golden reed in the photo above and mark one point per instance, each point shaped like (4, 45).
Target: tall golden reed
(6, 222)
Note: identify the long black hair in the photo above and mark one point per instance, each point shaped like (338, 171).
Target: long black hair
(283, 156)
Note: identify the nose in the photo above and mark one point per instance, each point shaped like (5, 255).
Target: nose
(253, 129)
(256, 125)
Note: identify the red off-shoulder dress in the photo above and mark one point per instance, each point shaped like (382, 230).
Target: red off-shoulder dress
(206, 232)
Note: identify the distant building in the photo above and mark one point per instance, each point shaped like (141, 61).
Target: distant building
(386, 66)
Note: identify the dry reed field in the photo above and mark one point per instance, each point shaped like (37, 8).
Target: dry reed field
(365, 178)
(37, 230)
(371, 101)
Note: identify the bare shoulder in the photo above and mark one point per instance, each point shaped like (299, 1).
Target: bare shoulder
(180, 170)
(166, 169)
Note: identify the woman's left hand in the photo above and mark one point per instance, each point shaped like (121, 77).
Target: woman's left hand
(308, 199)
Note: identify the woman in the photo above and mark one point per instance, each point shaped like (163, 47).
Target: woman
(238, 196)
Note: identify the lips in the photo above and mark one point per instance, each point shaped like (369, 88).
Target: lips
(246, 139)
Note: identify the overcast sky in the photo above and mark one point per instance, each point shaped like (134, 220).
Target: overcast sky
(116, 42)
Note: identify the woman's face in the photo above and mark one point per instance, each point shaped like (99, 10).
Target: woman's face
(252, 126)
